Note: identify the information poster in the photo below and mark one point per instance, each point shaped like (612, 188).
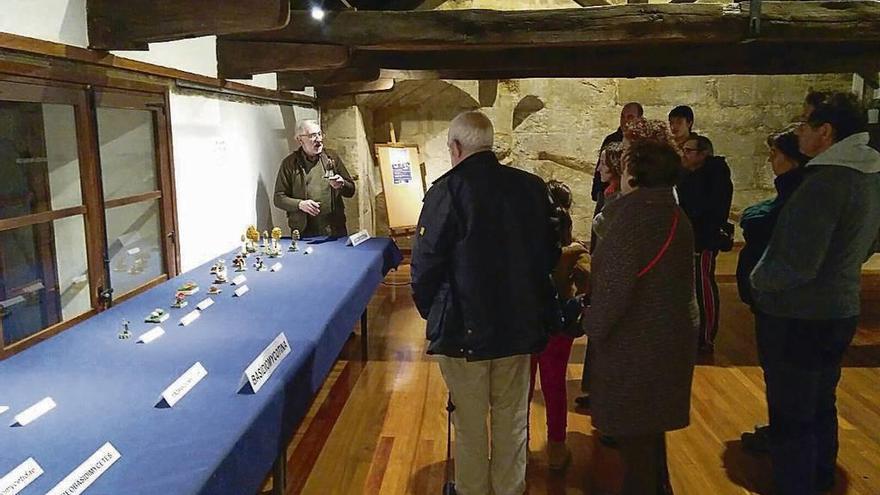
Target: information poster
(400, 166)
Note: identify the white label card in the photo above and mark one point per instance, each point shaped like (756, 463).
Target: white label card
(259, 371)
(276, 267)
(30, 414)
(358, 238)
(241, 291)
(134, 251)
(151, 335)
(86, 473)
(19, 478)
(184, 384)
(190, 317)
(205, 304)
(239, 280)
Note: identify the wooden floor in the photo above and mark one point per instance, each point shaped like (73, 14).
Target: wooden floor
(380, 427)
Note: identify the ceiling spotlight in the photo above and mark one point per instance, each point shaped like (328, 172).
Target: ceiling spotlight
(317, 13)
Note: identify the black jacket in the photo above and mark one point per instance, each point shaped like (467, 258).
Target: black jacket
(485, 247)
(757, 225)
(705, 195)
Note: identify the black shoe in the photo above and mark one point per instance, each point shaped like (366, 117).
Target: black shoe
(583, 401)
(758, 441)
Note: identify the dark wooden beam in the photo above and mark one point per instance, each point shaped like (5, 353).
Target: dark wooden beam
(592, 3)
(242, 59)
(297, 81)
(857, 20)
(325, 92)
(131, 24)
(691, 59)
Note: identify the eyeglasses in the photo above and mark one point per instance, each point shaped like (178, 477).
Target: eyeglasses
(313, 135)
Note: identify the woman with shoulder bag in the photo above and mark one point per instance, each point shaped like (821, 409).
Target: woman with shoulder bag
(642, 321)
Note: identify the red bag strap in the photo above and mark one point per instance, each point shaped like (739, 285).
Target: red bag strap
(665, 247)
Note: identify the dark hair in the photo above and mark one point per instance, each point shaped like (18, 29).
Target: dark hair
(703, 143)
(682, 111)
(652, 164)
(842, 112)
(638, 106)
(560, 195)
(786, 141)
(814, 98)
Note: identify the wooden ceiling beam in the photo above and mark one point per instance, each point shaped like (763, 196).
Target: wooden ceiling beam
(717, 59)
(243, 59)
(132, 24)
(856, 20)
(325, 92)
(299, 80)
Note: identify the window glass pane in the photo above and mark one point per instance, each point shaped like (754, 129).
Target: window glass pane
(39, 164)
(128, 153)
(43, 276)
(134, 242)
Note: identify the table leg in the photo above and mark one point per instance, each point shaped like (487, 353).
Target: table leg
(279, 474)
(364, 343)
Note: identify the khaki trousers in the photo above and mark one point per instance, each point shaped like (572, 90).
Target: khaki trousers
(498, 388)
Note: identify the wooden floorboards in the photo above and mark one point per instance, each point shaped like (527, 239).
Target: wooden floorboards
(380, 427)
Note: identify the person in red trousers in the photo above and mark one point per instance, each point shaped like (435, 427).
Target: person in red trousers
(571, 278)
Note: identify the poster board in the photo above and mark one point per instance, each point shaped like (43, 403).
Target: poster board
(403, 182)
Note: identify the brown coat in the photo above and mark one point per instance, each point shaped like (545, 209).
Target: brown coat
(572, 273)
(642, 331)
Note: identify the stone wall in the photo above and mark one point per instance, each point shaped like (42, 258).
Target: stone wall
(553, 127)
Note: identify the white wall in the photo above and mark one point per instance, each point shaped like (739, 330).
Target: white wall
(61, 21)
(226, 157)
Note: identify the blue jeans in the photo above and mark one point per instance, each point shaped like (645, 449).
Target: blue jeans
(801, 361)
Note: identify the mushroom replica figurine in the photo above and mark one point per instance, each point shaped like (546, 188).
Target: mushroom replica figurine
(275, 247)
(294, 236)
(253, 236)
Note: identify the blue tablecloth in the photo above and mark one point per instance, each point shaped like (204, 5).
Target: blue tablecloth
(216, 440)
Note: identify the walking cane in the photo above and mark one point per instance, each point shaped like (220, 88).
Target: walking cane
(448, 483)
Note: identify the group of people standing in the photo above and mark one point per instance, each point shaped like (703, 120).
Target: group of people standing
(496, 272)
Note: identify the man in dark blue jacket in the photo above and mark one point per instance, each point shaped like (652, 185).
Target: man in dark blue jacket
(705, 193)
(485, 246)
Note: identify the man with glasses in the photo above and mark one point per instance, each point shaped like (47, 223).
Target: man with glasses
(311, 184)
(807, 287)
(705, 193)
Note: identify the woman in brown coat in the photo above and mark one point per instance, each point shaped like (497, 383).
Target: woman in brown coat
(642, 323)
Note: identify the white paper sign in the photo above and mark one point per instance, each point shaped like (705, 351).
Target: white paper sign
(83, 476)
(358, 238)
(134, 251)
(259, 371)
(241, 291)
(184, 384)
(205, 304)
(151, 335)
(19, 478)
(190, 317)
(3, 409)
(276, 267)
(30, 414)
(239, 280)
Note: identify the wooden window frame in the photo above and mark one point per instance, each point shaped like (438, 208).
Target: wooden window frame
(85, 99)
